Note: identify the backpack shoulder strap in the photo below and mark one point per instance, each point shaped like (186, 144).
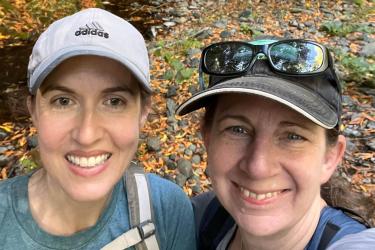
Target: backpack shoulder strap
(333, 225)
(330, 230)
(212, 220)
(142, 233)
(200, 203)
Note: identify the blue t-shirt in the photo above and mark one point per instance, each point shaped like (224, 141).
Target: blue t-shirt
(337, 217)
(172, 212)
(216, 228)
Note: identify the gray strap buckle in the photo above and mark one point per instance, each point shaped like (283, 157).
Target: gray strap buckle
(146, 229)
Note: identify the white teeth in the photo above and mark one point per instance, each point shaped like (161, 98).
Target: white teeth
(83, 161)
(253, 195)
(88, 162)
(248, 193)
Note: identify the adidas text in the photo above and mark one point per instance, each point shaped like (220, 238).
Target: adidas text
(94, 32)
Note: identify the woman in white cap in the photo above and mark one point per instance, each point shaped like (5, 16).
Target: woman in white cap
(271, 130)
(89, 85)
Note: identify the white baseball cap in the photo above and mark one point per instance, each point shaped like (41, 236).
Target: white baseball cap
(89, 32)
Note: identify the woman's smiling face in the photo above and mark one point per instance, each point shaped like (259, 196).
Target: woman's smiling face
(267, 162)
(88, 114)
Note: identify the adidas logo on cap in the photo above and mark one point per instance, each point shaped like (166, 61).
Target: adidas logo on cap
(94, 29)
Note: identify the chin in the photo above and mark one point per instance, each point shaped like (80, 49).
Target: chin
(90, 193)
(260, 226)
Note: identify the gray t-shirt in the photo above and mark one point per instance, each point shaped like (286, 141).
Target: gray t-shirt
(172, 209)
(364, 240)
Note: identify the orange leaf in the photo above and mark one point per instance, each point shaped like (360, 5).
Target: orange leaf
(4, 174)
(22, 141)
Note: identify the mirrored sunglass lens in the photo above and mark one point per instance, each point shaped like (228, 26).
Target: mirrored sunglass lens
(227, 58)
(296, 57)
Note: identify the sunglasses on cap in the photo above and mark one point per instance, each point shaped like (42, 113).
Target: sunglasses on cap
(294, 57)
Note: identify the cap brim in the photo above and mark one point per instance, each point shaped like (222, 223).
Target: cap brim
(46, 67)
(298, 98)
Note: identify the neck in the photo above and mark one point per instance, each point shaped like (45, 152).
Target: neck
(295, 237)
(55, 212)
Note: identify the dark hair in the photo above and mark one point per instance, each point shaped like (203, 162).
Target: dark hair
(207, 119)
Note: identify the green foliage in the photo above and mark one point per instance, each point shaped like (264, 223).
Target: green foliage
(358, 69)
(338, 28)
(245, 28)
(358, 2)
(178, 71)
(171, 54)
(354, 18)
(6, 5)
(28, 164)
(187, 44)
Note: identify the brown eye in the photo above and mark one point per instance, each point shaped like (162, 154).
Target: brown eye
(114, 102)
(62, 102)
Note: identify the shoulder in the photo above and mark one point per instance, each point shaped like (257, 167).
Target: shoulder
(166, 191)
(361, 240)
(166, 196)
(214, 225)
(337, 217)
(333, 225)
(200, 203)
(8, 189)
(173, 214)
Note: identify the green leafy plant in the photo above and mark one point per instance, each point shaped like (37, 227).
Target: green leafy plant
(336, 28)
(6, 5)
(27, 164)
(170, 53)
(178, 71)
(360, 70)
(358, 2)
(245, 28)
(357, 69)
(187, 44)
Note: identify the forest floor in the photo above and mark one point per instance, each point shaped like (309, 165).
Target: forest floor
(176, 32)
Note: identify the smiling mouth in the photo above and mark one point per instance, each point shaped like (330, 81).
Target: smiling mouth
(260, 196)
(88, 162)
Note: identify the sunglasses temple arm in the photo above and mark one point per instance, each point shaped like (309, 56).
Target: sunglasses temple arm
(200, 79)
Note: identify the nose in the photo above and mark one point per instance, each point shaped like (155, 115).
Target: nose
(87, 130)
(260, 160)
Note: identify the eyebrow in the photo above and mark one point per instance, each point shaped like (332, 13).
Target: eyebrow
(119, 89)
(234, 117)
(295, 124)
(105, 91)
(54, 87)
(302, 125)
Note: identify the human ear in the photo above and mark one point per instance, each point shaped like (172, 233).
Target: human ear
(145, 109)
(333, 157)
(205, 131)
(30, 102)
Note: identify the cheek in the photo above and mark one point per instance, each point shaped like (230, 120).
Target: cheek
(222, 159)
(52, 132)
(124, 134)
(306, 171)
